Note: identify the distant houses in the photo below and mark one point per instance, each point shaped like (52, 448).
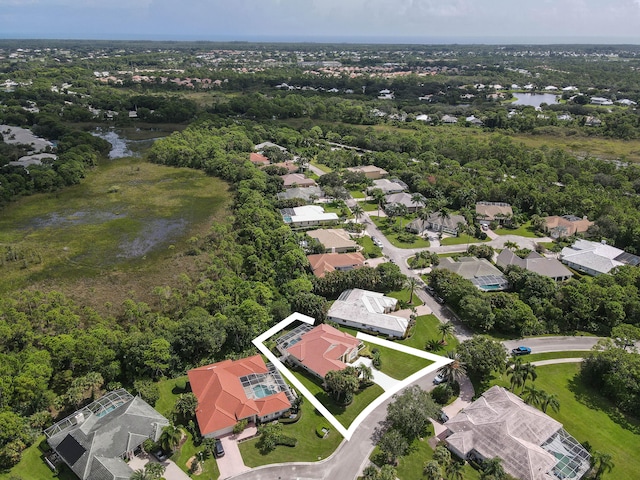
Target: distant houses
(323, 263)
(566, 225)
(370, 171)
(293, 180)
(366, 310)
(479, 271)
(334, 240)
(388, 186)
(487, 212)
(405, 199)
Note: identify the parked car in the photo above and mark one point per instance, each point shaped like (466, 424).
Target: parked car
(429, 289)
(521, 351)
(218, 449)
(160, 455)
(377, 241)
(443, 417)
(440, 378)
(440, 300)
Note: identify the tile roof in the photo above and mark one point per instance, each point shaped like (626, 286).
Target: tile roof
(324, 263)
(222, 400)
(258, 159)
(322, 348)
(491, 209)
(333, 238)
(534, 262)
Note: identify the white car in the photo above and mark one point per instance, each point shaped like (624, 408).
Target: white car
(440, 378)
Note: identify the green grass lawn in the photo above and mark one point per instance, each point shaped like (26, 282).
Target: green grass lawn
(370, 250)
(32, 466)
(369, 206)
(357, 194)
(188, 450)
(410, 466)
(426, 329)
(345, 415)
(381, 223)
(322, 167)
(397, 364)
(536, 357)
(462, 239)
(590, 417)
(403, 295)
(169, 391)
(525, 230)
(310, 447)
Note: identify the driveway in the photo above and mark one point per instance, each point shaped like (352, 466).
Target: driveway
(379, 378)
(172, 471)
(231, 463)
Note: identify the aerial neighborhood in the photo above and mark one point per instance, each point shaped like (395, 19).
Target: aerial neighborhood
(343, 261)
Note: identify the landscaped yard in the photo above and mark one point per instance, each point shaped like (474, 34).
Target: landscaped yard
(345, 415)
(393, 237)
(525, 230)
(188, 450)
(462, 239)
(426, 329)
(322, 167)
(397, 364)
(590, 417)
(32, 466)
(310, 447)
(370, 250)
(369, 206)
(357, 194)
(403, 295)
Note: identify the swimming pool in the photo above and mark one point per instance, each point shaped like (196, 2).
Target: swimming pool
(261, 391)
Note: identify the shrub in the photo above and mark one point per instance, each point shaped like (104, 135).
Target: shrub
(292, 418)
(240, 426)
(287, 441)
(442, 394)
(148, 391)
(322, 430)
(407, 238)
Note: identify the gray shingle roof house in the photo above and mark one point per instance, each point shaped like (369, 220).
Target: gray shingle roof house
(388, 186)
(367, 310)
(95, 441)
(481, 273)
(448, 224)
(595, 258)
(532, 445)
(304, 193)
(403, 198)
(534, 262)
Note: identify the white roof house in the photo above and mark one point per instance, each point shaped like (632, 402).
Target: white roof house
(595, 258)
(368, 310)
(307, 216)
(531, 444)
(600, 101)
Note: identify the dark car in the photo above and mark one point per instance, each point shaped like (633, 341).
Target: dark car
(440, 300)
(160, 455)
(218, 449)
(521, 351)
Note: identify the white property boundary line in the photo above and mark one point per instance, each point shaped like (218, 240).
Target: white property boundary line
(346, 433)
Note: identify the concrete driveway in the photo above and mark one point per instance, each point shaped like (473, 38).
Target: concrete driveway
(172, 471)
(231, 463)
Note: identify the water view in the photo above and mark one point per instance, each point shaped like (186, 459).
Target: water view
(535, 99)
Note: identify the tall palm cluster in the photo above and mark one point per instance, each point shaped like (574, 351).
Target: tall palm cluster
(519, 374)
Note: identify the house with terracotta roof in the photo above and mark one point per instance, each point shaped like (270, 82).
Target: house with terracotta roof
(566, 225)
(323, 263)
(320, 349)
(531, 444)
(234, 390)
(258, 159)
(293, 180)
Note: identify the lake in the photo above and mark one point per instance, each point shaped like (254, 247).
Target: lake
(130, 142)
(534, 99)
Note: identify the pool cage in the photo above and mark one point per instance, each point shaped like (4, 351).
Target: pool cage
(99, 408)
(291, 338)
(260, 385)
(573, 458)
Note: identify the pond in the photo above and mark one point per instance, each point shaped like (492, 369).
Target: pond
(129, 142)
(535, 99)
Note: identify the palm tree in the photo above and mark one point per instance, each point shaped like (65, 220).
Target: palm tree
(454, 470)
(528, 371)
(365, 374)
(423, 215)
(411, 286)
(443, 214)
(446, 330)
(313, 197)
(442, 455)
(357, 211)
(601, 463)
(493, 468)
(549, 400)
(170, 438)
(141, 474)
(378, 196)
(154, 470)
(532, 395)
(418, 199)
(431, 470)
(453, 371)
(516, 372)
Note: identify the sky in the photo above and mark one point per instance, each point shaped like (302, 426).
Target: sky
(421, 21)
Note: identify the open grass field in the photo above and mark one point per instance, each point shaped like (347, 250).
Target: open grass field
(120, 231)
(588, 416)
(525, 230)
(462, 239)
(310, 447)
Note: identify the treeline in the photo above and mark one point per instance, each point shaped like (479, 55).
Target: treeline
(538, 305)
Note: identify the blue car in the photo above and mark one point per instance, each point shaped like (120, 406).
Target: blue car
(521, 351)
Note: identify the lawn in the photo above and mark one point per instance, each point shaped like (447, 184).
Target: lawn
(188, 450)
(322, 167)
(370, 249)
(32, 466)
(536, 357)
(357, 194)
(524, 230)
(590, 417)
(462, 239)
(169, 392)
(381, 223)
(310, 447)
(345, 415)
(369, 206)
(397, 364)
(426, 329)
(403, 296)
(339, 208)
